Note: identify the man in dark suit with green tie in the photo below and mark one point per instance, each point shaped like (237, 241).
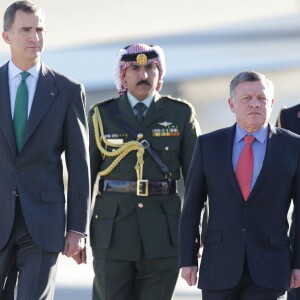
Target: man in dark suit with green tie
(42, 116)
(140, 143)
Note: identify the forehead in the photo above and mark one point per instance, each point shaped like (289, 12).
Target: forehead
(148, 63)
(252, 87)
(29, 19)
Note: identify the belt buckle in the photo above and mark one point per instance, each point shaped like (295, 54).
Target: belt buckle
(142, 187)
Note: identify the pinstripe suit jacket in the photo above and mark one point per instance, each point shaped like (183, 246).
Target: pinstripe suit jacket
(56, 124)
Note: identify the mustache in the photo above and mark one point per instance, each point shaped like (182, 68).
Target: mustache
(144, 82)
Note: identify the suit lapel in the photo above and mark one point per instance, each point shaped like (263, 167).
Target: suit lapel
(227, 151)
(45, 94)
(270, 158)
(6, 123)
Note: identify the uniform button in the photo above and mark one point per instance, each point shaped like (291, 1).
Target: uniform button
(140, 136)
(243, 230)
(140, 205)
(14, 193)
(96, 216)
(167, 148)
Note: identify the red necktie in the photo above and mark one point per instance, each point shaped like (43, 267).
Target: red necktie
(244, 168)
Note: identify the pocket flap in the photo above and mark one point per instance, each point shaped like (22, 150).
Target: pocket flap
(279, 239)
(106, 213)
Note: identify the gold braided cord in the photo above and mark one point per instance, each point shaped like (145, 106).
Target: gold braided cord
(123, 149)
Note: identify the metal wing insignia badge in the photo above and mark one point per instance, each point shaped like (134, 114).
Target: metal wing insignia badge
(165, 124)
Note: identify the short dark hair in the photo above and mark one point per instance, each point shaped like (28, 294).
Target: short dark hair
(25, 6)
(249, 76)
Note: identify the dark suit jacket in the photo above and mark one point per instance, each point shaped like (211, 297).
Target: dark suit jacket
(122, 223)
(257, 227)
(56, 124)
(289, 118)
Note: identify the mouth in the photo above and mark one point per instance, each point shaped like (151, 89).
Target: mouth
(144, 82)
(254, 113)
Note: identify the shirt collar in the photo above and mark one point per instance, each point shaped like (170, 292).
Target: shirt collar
(133, 101)
(14, 71)
(260, 135)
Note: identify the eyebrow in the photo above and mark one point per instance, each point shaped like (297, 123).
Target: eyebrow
(31, 27)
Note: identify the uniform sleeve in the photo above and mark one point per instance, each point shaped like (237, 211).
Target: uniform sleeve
(189, 136)
(95, 155)
(281, 122)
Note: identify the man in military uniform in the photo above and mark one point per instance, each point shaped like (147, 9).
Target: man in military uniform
(289, 118)
(140, 142)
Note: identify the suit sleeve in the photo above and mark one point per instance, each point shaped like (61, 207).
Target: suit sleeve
(194, 199)
(296, 200)
(75, 139)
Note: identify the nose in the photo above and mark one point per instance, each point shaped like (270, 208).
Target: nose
(34, 36)
(254, 102)
(143, 73)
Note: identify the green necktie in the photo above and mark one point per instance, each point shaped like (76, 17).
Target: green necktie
(21, 110)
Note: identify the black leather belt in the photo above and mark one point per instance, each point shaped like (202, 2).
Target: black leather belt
(139, 187)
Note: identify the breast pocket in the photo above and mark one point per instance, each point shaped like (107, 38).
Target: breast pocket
(168, 148)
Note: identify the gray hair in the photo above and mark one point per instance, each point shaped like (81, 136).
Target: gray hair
(250, 76)
(25, 6)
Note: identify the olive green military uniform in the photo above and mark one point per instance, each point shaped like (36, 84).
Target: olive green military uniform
(136, 236)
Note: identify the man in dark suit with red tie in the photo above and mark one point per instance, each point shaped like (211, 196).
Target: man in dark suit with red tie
(289, 118)
(249, 187)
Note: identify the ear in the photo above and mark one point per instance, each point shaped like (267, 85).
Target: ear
(231, 104)
(5, 36)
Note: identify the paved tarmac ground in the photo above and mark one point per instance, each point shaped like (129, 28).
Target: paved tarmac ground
(74, 282)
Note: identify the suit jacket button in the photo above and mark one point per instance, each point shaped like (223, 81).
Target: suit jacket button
(140, 205)
(96, 216)
(243, 230)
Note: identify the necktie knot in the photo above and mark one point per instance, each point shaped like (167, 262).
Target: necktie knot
(24, 75)
(140, 108)
(249, 139)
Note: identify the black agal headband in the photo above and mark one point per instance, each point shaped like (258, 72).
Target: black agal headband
(141, 58)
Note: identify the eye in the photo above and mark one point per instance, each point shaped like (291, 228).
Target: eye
(245, 98)
(134, 67)
(151, 67)
(262, 99)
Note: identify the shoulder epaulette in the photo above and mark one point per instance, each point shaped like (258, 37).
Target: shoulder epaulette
(101, 102)
(180, 100)
(279, 117)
